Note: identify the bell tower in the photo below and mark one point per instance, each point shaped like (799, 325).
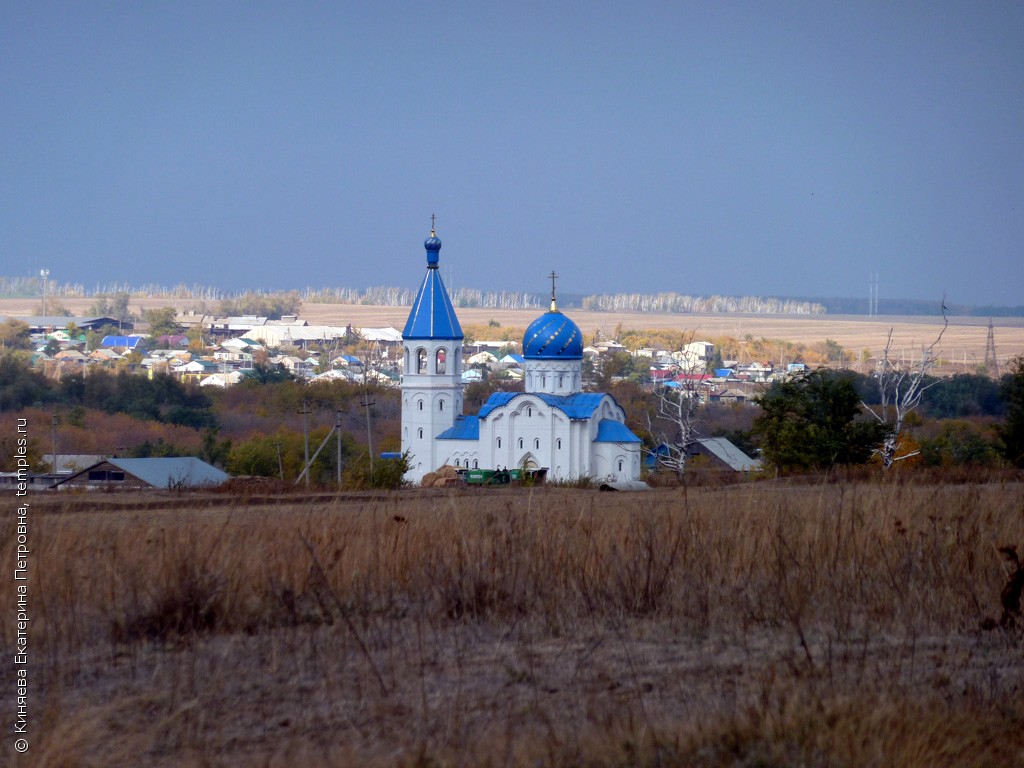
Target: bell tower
(431, 367)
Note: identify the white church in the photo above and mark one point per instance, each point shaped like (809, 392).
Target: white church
(552, 425)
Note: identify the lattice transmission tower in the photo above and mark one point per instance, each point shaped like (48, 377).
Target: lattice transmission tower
(991, 361)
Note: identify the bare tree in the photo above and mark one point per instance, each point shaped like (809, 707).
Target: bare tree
(900, 388)
(676, 409)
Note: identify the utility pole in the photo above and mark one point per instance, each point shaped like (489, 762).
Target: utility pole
(280, 462)
(367, 402)
(44, 276)
(53, 443)
(337, 426)
(305, 434)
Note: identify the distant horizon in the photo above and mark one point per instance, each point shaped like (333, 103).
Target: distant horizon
(831, 304)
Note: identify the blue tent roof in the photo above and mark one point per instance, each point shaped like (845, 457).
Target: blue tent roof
(465, 428)
(432, 315)
(611, 431)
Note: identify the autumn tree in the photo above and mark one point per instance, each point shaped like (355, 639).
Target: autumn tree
(14, 334)
(272, 305)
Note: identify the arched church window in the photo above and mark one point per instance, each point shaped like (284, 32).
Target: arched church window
(620, 465)
(439, 361)
(543, 380)
(529, 412)
(421, 360)
(456, 462)
(476, 464)
(458, 360)
(520, 442)
(560, 379)
(536, 442)
(420, 404)
(440, 405)
(499, 442)
(407, 360)
(421, 433)
(558, 443)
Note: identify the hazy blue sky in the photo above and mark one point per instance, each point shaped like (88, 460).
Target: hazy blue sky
(772, 148)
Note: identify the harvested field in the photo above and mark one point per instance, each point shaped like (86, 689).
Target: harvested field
(963, 343)
(767, 624)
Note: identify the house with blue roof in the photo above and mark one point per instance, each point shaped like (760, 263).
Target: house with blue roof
(552, 425)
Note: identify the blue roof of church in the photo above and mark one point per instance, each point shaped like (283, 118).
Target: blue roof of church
(553, 336)
(608, 430)
(465, 428)
(432, 315)
(578, 406)
(611, 431)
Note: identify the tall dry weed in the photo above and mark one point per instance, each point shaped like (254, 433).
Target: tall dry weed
(679, 627)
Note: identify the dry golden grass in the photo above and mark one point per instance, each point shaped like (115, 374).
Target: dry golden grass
(834, 624)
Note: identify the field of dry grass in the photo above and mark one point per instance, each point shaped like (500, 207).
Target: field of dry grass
(963, 342)
(758, 624)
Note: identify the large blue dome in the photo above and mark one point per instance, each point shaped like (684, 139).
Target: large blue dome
(553, 336)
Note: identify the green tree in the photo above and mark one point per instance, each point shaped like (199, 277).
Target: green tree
(966, 394)
(161, 321)
(960, 443)
(717, 363)
(811, 422)
(386, 473)
(267, 373)
(1012, 430)
(20, 386)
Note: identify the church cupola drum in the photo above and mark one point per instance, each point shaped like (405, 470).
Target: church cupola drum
(553, 352)
(432, 367)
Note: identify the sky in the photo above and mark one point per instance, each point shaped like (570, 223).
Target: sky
(733, 148)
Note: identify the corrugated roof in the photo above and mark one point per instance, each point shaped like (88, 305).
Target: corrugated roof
(172, 472)
(611, 431)
(122, 341)
(724, 450)
(465, 428)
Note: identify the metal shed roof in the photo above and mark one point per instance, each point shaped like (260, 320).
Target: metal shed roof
(168, 472)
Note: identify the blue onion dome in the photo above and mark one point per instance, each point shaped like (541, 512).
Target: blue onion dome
(553, 336)
(433, 246)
